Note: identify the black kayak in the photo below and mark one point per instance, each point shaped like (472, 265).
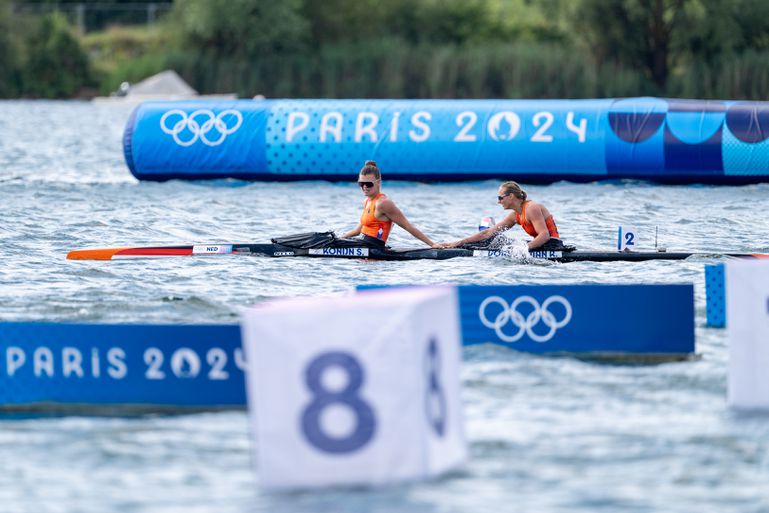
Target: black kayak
(325, 245)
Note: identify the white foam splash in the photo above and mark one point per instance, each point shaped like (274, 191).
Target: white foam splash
(517, 249)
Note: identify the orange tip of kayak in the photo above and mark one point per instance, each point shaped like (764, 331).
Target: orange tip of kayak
(93, 254)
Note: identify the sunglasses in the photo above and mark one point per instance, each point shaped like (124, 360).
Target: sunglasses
(365, 184)
(500, 198)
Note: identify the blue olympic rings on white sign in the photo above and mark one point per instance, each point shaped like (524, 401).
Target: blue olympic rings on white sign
(525, 324)
(192, 123)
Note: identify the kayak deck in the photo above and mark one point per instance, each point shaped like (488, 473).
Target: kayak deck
(278, 250)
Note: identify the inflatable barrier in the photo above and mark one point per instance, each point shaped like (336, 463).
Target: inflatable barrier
(534, 141)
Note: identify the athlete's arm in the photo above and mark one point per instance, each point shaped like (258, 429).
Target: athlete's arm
(537, 218)
(354, 232)
(505, 224)
(394, 214)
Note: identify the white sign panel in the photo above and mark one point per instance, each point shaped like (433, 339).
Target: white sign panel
(627, 238)
(747, 321)
(354, 390)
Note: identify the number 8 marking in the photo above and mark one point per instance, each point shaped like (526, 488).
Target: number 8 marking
(435, 399)
(322, 398)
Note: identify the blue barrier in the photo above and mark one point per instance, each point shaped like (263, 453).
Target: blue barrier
(679, 141)
(102, 365)
(187, 367)
(715, 295)
(592, 319)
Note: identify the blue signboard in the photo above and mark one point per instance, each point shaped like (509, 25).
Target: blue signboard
(149, 366)
(601, 319)
(528, 140)
(203, 366)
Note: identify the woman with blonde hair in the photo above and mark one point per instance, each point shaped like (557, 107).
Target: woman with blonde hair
(533, 217)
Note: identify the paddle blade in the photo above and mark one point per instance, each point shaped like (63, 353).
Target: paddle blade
(93, 254)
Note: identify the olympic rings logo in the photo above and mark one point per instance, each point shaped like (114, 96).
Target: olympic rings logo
(525, 324)
(200, 124)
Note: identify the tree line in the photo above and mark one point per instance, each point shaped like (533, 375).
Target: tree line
(407, 49)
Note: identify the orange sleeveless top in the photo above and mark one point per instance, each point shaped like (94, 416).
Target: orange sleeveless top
(372, 226)
(529, 228)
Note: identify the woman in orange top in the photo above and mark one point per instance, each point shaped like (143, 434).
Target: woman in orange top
(379, 211)
(533, 217)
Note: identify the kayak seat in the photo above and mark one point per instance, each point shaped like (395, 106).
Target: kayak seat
(313, 240)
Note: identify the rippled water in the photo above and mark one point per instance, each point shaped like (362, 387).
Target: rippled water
(546, 434)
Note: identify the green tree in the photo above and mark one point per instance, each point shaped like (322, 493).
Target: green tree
(10, 69)
(657, 36)
(332, 21)
(56, 66)
(638, 33)
(752, 17)
(723, 27)
(415, 21)
(454, 21)
(240, 28)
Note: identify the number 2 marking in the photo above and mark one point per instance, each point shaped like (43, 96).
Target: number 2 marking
(467, 118)
(217, 359)
(153, 357)
(629, 237)
(539, 135)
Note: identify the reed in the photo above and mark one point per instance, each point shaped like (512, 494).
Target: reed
(392, 68)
